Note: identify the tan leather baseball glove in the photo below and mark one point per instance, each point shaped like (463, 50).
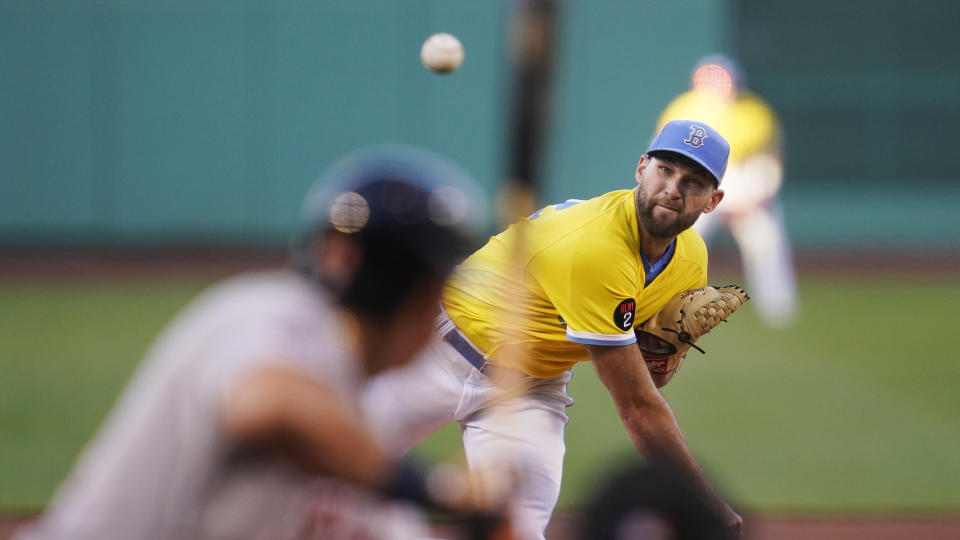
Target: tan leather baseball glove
(664, 337)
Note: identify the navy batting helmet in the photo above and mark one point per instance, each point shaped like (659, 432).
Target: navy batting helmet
(412, 212)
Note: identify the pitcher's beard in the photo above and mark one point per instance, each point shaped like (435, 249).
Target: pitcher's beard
(658, 228)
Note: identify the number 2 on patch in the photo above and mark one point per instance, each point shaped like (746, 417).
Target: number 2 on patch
(623, 315)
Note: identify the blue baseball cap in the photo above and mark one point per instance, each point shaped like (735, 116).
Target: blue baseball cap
(697, 141)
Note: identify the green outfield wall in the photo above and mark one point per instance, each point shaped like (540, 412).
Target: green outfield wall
(176, 121)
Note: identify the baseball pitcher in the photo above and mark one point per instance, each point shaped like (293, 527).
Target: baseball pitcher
(591, 273)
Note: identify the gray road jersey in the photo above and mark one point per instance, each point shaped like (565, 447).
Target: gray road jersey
(159, 467)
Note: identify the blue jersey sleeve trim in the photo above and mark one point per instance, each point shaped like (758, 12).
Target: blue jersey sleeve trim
(587, 341)
(601, 339)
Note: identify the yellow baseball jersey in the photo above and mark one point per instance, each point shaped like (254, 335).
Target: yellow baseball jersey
(580, 279)
(748, 124)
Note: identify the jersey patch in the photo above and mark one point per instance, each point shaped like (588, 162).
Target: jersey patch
(623, 315)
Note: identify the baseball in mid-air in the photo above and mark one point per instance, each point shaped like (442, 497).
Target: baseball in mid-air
(442, 53)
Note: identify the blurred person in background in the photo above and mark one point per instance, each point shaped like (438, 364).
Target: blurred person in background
(751, 208)
(241, 420)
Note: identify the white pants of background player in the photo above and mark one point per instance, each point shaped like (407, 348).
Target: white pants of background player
(406, 405)
(765, 254)
(751, 210)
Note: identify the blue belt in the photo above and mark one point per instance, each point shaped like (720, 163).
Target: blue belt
(466, 350)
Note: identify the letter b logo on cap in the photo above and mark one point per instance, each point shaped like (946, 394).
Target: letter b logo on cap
(696, 140)
(697, 135)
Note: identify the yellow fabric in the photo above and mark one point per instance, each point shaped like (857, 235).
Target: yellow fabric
(580, 262)
(748, 124)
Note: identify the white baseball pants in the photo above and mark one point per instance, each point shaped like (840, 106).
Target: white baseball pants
(404, 406)
(766, 257)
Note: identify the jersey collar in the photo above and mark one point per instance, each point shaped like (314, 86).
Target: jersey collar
(650, 272)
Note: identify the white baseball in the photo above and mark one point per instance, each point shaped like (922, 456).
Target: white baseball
(442, 53)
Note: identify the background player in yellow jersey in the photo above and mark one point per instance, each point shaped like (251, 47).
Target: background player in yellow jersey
(588, 272)
(751, 209)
